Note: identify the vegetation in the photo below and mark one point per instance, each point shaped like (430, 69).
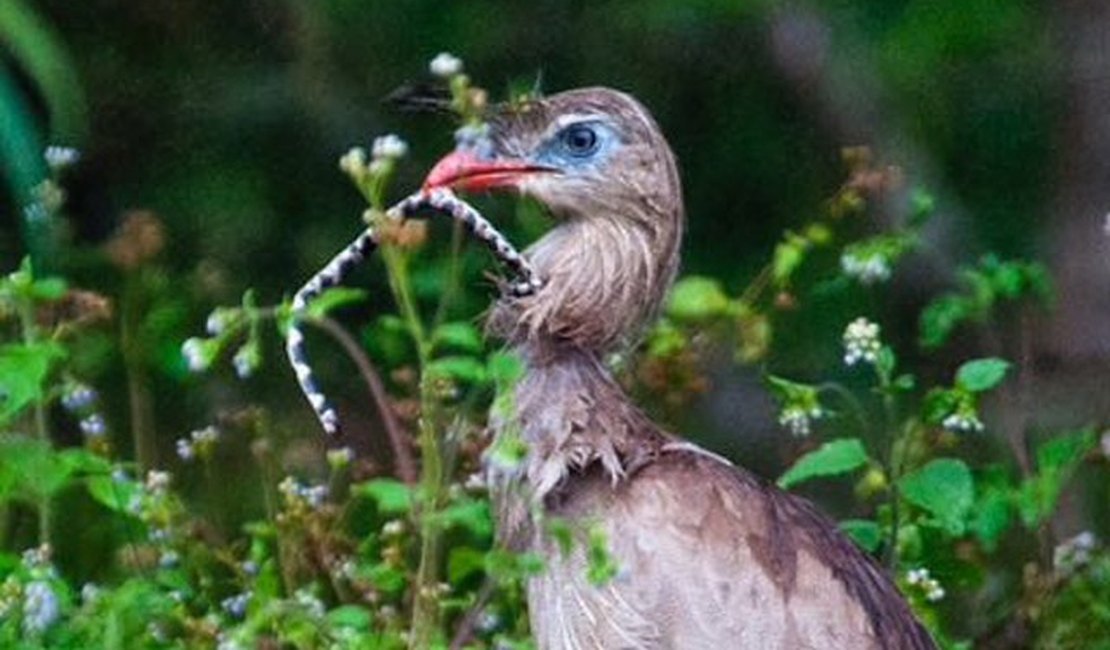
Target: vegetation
(163, 488)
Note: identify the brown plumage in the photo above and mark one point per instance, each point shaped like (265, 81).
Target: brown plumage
(708, 555)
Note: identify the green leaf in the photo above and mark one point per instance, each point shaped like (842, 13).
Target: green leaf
(459, 368)
(938, 403)
(80, 460)
(24, 369)
(982, 374)
(830, 459)
(393, 497)
(1057, 460)
(471, 515)
(696, 298)
(864, 532)
(334, 298)
(504, 368)
(943, 487)
(35, 468)
(350, 616)
(460, 336)
(464, 562)
(992, 516)
(788, 256)
(115, 495)
(48, 289)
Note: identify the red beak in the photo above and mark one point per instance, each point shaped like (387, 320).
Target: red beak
(462, 170)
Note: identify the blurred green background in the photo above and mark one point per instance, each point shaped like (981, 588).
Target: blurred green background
(225, 120)
(222, 123)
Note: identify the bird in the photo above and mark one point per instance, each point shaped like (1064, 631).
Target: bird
(705, 553)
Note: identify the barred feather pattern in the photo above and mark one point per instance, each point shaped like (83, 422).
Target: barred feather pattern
(442, 201)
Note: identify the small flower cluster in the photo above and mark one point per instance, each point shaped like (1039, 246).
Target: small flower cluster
(31, 591)
(384, 153)
(866, 268)
(798, 420)
(928, 585)
(81, 400)
(224, 326)
(1074, 553)
(198, 444)
(861, 342)
(446, 65)
(199, 353)
(962, 421)
(58, 157)
(236, 606)
(301, 497)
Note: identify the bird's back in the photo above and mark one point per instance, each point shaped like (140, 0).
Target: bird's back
(708, 556)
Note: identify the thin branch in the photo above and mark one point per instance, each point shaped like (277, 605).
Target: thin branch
(464, 632)
(402, 454)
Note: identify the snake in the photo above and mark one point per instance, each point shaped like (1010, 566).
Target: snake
(443, 201)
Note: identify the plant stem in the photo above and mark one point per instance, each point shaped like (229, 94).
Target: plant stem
(425, 612)
(139, 400)
(892, 469)
(42, 431)
(402, 458)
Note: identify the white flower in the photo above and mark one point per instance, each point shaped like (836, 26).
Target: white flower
(445, 65)
(78, 397)
(196, 356)
(206, 436)
(798, 420)
(58, 157)
(40, 607)
(296, 494)
(315, 495)
(169, 559)
(868, 269)
(236, 606)
(37, 557)
(962, 422)
(917, 576)
(389, 146)
(89, 593)
(93, 426)
(1075, 552)
(310, 602)
(157, 480)
(861, 342)
(353, 162)
(185, 449)
(476, 482)
(929, 587)
(217, 321)
(245, 361)
(393, 528)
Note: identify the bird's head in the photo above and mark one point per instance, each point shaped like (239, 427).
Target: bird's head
(586, 152)
(598, 161)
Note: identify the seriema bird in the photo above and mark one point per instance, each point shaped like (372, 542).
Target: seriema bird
(708, 555)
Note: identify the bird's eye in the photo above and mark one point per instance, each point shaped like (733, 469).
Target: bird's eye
(579, 140)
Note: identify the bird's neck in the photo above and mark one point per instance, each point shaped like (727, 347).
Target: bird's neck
(570, 413)
(604, 276)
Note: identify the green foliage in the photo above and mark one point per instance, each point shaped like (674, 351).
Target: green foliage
(983, 287)
(944, 488)
(830, 459)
